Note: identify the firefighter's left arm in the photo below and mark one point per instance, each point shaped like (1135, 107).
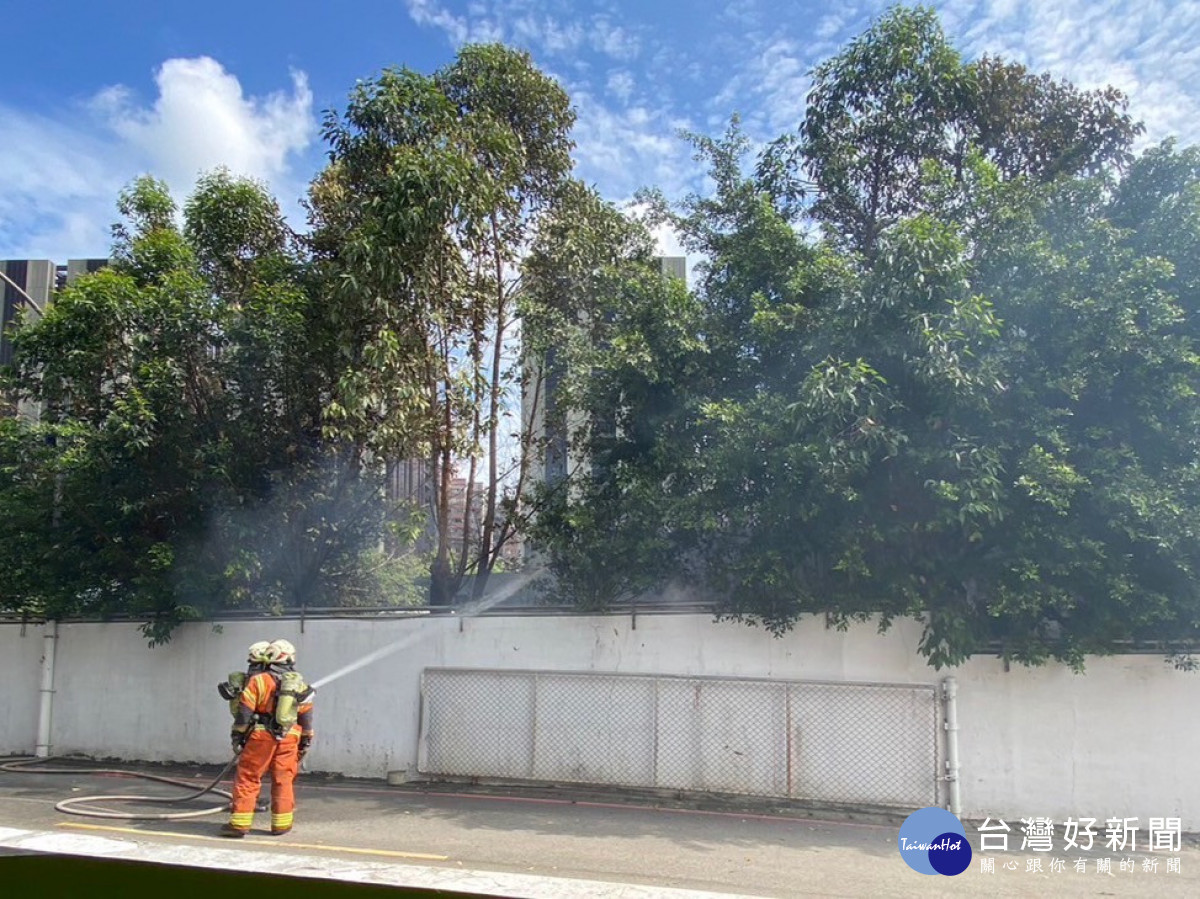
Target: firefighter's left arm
(243, 718)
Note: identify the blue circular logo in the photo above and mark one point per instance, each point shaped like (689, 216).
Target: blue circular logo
(933, 841)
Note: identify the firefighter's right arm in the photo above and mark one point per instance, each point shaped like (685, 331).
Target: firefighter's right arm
(304, 717)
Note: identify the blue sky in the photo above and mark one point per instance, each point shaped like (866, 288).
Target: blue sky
(93, 94)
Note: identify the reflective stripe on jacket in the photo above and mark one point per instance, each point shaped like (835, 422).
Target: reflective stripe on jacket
(256, 707)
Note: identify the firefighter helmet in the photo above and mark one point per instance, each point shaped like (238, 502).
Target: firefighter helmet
(259, 653)
(282, 652)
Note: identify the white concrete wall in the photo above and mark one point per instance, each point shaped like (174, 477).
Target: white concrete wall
(21, 679)
(1118, 741)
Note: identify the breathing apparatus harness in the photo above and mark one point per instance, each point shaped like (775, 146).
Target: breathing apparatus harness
(231, 688)
(290, 691)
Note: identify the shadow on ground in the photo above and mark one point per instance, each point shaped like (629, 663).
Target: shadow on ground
(67, 877)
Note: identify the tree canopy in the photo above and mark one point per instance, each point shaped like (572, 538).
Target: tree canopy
(177, 466)
(437, 186)
(940, 361)
(222, 405)
(943, 366)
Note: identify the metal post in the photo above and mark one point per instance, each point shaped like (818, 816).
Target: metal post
(46, 707)
(950, 697)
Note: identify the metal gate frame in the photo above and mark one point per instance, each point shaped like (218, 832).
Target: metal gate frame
(637, 730)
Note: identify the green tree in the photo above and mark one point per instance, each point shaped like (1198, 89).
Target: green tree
(608, 343)
(1034, 126)
(178, 465)
(121, 362)
(947, 368)
(899, 98)
(436, 188)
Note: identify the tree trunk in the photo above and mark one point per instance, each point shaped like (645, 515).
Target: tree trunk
(487, 551)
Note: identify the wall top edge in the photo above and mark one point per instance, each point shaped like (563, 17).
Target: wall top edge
(589, 674)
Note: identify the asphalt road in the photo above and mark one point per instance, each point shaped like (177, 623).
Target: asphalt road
(607, 838)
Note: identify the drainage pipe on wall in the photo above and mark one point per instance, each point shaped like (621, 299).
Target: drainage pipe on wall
(950, 697)
(46, 707)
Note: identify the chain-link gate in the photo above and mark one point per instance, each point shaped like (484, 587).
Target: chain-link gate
(841, 743)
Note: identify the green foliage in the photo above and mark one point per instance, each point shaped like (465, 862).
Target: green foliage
(437, 186)
(941, 362)
(237, 233)
(877, 111)
(1031, 125)
(178, 467)
(899, 99)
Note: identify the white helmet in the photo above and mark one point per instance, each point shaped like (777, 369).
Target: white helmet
(259, 653)
(282, 652)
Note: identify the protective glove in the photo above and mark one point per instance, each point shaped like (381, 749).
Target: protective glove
(236, 742)
(305, 742)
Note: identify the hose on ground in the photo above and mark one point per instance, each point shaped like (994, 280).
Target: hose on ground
(86, 805)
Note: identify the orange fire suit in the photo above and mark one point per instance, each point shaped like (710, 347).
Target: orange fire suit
(262, 752)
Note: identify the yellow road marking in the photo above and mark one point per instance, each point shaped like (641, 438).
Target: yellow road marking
(233, 843)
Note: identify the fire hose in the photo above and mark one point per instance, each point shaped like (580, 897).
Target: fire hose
(86, 805)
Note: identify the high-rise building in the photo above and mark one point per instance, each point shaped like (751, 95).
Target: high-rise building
(76, 267)
(548, 426)
(674, 266)
(409, 480)
(27, 287)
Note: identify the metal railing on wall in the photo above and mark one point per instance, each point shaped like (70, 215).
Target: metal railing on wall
(1184, 654)
(838, 743)
(668, 607)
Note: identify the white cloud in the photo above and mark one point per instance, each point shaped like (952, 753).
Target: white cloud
(529, 24)
(57, 193)
(828, 27)
(620, 85)
(202, 119)
(1146, 48)
(766, 88)
(547, 33)
(744, 13)
(430, 12)
(59, 177)
(613, 40)
(625, 150)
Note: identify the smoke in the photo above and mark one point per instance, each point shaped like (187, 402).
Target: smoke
(307, 534)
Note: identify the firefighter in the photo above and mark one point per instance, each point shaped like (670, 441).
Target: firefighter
(272, 731)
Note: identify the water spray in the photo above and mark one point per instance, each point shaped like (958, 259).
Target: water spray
(469, 611)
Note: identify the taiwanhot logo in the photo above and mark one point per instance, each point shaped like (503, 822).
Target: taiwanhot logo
(932, 841)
